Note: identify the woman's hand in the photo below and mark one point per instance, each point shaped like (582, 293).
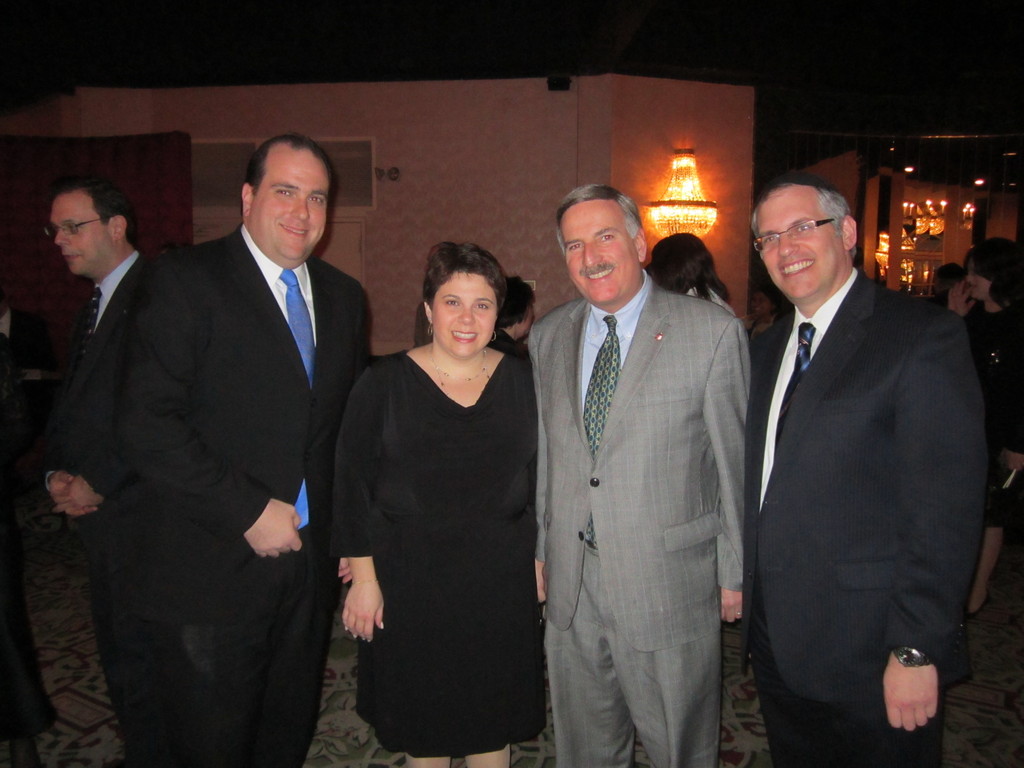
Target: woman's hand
(959, 299)
(1012, 459)
(542, 588)
(364, 603)
(364, 609)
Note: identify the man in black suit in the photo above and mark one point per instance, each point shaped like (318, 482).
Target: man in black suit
(863, 511)
(93, 223)
(230, 416)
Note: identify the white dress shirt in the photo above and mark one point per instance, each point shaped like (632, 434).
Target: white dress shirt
(821, 321)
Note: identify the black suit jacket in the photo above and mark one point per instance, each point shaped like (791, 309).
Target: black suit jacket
(218, 418)
(867, 536)
(80, 434)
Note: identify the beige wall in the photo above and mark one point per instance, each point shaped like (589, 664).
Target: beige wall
(481, 160)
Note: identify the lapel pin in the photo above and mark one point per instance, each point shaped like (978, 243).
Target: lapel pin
(659, 336)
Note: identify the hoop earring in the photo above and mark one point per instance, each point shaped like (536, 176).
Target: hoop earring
(430, 329)
(494, 336)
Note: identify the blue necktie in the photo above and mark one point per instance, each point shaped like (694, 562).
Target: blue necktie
(299, 322)
(302, 329)
(803, 359)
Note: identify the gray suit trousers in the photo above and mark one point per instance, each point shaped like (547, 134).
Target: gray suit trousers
(604, 692)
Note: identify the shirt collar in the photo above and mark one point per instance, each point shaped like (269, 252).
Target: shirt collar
(109, 283)
(271, 271)
(626, 318)
(826, 312)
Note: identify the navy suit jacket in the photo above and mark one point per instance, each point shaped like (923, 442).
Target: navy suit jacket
(218, 417)
(80, 435)
(868, 533)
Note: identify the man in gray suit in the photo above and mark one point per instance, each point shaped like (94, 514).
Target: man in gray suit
(642, 395)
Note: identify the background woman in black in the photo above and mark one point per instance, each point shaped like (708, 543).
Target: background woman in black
(992, 301)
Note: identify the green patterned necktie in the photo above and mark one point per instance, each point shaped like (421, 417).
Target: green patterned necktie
(602, 386)
(599, 400)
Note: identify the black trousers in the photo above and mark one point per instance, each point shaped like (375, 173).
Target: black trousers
(803, 733)
(245, 695)
(123, 645)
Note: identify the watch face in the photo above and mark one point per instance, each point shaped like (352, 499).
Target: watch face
(911, 657)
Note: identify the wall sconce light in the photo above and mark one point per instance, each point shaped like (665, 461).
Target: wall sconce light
(967, 216)
(882, 255)
(682, 207)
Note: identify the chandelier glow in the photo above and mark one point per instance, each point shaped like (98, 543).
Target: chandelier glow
(682, 207)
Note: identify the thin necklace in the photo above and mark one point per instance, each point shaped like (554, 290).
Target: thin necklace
(446, 375)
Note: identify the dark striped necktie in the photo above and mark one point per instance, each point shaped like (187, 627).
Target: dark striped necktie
(803, 359)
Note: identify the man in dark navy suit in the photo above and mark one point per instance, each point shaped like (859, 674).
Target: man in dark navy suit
(93, 223)
(862, 510)
(240, 358)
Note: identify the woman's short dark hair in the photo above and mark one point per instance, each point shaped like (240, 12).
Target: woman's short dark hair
(518, 300)
(1001, 261)
(682, 262)
(449, 259)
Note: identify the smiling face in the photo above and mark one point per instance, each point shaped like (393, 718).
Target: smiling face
(603, 260)
(463, 314)
(97, 248)
(809, 269)
(287, 212)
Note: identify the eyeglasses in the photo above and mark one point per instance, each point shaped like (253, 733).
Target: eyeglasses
(68, 227)
(799, 231)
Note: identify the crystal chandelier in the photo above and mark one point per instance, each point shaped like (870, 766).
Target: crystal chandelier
(682, 207)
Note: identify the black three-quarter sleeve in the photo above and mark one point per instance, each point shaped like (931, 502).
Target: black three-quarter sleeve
(357, 459)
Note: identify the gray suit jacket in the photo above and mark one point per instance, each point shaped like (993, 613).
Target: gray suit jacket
(665, 487)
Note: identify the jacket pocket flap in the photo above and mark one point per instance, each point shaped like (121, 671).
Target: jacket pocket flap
(692, 532)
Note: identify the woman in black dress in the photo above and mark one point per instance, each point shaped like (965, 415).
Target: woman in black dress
(435, 483)
(992, 301)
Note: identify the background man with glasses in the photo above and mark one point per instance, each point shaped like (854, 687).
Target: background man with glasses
(93, 224)
(863, 510)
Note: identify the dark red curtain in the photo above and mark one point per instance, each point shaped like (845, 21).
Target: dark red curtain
(155, 172)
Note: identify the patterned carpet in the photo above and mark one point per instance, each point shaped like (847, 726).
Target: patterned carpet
(985, 721)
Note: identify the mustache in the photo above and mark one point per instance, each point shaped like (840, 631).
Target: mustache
(593, 269)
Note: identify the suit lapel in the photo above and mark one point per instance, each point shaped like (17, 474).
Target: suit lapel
(643, 350)
(572, 359)
(324, 311)
(106, 328)
(764, 377)
(842, 341)
(260, 298)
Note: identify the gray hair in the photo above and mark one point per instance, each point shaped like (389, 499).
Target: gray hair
(830, 199)
(589, 192)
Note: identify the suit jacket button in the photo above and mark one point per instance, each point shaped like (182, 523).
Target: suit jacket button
(594, 482)
(581, 536)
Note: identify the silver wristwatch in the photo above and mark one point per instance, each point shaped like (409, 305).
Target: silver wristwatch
(910, 657)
